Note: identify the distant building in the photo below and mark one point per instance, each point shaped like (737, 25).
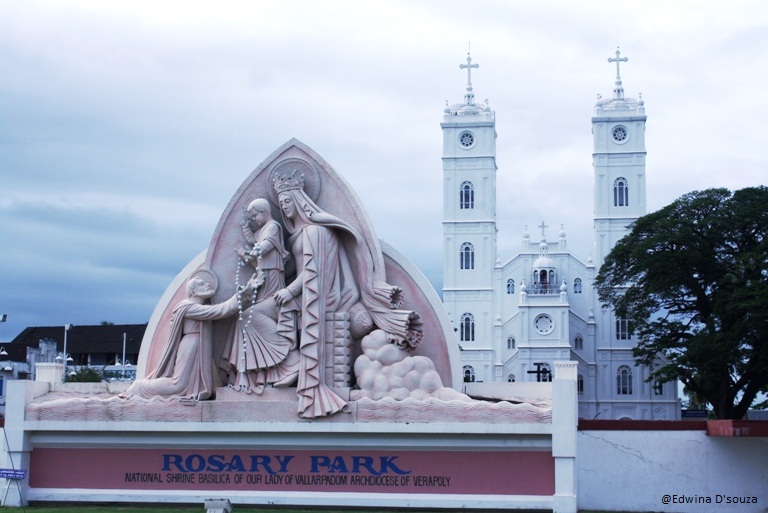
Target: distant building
(99, 347)
(514, 318)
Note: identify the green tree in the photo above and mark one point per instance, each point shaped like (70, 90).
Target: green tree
(695, 401)
(692, 279)
(85, 375)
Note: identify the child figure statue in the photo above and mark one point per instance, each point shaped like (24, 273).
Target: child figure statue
(266, 251)
(259, 353)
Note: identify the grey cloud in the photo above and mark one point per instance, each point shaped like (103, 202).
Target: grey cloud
(122, 130)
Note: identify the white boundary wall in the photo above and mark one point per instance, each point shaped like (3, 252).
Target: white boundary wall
(635, 470)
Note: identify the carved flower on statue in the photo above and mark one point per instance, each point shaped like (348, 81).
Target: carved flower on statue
(396, 297)
(413, 336)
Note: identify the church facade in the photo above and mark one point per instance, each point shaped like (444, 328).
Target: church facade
(515, 318)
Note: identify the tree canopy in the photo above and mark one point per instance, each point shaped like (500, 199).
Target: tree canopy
(692, 279)
(85, 375)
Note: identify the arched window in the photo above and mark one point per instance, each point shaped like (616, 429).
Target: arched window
(620, 193)
(467, 195)
(580, 384)
(624, 380)
(511, 378)
(658, 388)
(467, 328)
(510, 286)
(542, 278)
(578, 342)
(623, 331)
(544, 282)
(577, 286)
(510, 342)
(469, 374)
(467, 256)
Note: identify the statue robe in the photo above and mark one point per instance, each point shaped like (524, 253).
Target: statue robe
(335, 271)
(186, 368)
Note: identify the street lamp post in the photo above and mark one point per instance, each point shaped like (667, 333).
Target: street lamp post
(66, 358)
(123, 370)
(3, 318)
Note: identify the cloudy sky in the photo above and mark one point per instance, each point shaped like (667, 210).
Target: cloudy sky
(125, 127)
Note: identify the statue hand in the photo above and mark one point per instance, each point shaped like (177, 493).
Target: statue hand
(257, 280)
(253, 284)
(282, 296)
(244, 255)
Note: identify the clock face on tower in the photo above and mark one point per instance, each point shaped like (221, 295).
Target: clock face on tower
(544, 324)
(467, 139)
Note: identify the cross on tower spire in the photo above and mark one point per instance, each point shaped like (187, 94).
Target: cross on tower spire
(469, 98)
(543, 227)
(618, 90)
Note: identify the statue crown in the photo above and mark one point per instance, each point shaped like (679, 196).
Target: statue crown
(290, 182)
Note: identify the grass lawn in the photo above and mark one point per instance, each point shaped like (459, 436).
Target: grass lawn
(201, 509)
(235, 509)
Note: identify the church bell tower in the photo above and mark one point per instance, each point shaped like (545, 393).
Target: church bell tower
(469, 223)
(618, 158)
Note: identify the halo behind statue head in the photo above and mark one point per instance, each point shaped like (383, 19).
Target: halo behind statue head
(207, 276)
(297, 168)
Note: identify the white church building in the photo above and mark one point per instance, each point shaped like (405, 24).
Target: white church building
(514, 318)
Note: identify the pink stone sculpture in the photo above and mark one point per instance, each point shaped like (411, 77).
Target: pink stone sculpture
(334, 273)
(186, 367)
(259, 354)
(334, 325)
(337, 320)
(384, 371)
